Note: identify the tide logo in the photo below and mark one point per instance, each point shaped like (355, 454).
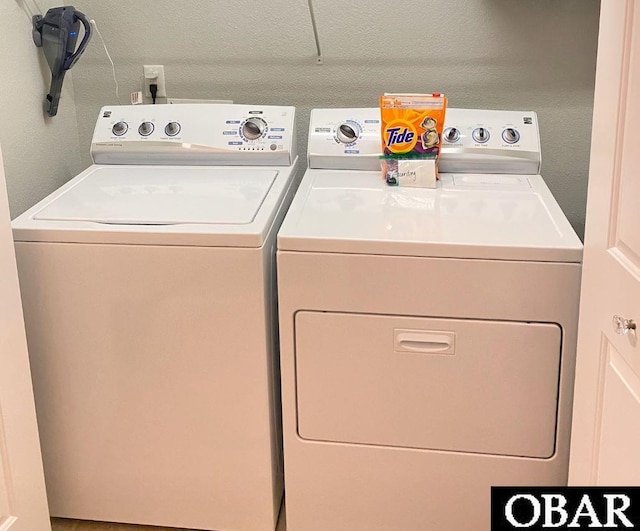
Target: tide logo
(400, 136)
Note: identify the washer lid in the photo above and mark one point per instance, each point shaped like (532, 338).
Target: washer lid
(495, 217)
(160, 195)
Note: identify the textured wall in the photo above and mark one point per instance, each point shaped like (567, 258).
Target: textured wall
(513, 54)
(40, 153)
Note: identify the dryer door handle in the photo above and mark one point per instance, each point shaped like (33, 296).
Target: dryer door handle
(424, 341)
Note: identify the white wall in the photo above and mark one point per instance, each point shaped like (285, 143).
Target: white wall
(40, 153)
(514, 54)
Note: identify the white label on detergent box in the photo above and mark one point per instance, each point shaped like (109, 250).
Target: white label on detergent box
(417, 172)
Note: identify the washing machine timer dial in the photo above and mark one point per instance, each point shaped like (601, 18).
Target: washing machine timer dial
(253, 128)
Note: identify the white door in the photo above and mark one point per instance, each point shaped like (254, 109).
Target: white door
(605, 447)
(23, 502)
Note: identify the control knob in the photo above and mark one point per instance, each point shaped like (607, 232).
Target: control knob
(172, 129)
(480, 135)
(253, 128)
(510, 135)
(346, 133)
(120, 128)
(451, 134)
(145, 129)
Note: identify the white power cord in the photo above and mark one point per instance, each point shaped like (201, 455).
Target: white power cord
(113, 66)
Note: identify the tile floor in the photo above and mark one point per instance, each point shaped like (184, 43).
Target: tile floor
(59, 524)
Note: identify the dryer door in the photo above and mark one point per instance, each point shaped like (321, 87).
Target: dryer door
(443, 384)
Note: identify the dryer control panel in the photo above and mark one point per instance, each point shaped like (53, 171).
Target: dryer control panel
(195, 134)
(346, 139)
(474, 141)
(490, 141)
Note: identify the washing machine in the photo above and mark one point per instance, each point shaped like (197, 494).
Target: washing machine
(427, 335)
(149, 298)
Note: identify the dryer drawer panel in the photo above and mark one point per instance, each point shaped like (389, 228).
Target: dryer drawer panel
(443, 384)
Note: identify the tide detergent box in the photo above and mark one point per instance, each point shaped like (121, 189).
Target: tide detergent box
(411, 130)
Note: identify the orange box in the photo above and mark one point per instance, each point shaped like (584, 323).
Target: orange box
(412, 124)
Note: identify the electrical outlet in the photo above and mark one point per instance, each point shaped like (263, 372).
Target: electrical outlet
(153, 74)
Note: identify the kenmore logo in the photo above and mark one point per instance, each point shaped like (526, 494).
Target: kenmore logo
(564, 508)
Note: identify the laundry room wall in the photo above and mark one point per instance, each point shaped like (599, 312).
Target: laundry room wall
(40, 152)
(527, 54)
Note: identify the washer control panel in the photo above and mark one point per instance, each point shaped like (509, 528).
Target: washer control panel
(194, 134)
(473, 140)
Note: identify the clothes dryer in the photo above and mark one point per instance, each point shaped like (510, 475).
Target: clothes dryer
(427, 335)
